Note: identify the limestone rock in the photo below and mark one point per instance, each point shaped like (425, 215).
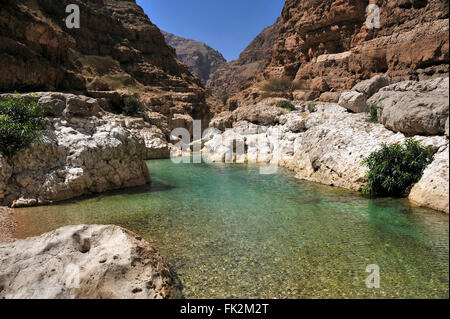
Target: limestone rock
(433, 189)
(414, 107)
(330, 97)
(77, 105)
(373, 85)
(222, 121)
(325, 146)
(353, 101)
(84, 262)
(319, 84)
(258, 114)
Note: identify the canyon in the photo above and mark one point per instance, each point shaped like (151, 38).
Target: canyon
(339, 71)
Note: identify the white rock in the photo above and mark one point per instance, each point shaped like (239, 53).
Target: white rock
(433, 189)
(79, 262)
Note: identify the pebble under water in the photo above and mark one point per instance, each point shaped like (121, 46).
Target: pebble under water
(229, 232)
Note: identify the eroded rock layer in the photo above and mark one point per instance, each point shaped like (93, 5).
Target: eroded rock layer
(330, 39)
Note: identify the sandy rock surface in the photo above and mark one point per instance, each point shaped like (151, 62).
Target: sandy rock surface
(79, 262)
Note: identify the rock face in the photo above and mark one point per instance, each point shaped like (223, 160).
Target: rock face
(233, 76)
(414, 107)
(116, 48)
(322, 143)
(432, 190)
(201, 59)
(84, 262)
(331, 39)
(83, 150)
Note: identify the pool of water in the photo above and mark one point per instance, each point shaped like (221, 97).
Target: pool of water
(229, 232)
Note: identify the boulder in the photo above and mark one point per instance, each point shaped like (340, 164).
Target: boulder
(433, 188)
(414, 107)
(182, 121)
(330, 97)
(327, 146)
(79, 105)
(222, 121)
(373, 85)
(319, 84)
(84, 262)
(80, 155)
(353, 101)
(258, 114)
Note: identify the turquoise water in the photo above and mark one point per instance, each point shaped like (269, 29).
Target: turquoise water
(229, 232)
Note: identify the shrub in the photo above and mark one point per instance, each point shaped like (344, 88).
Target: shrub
(283, 85)
(131, 105)
(394, 169)
(372, 112)
(21, 122)
(286, 105)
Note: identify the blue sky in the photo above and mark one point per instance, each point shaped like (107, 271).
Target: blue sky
(226, 25)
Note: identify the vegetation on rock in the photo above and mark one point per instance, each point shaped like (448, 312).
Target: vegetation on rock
(131, 105)
(21, 122)
(394, 169)
(286, 105)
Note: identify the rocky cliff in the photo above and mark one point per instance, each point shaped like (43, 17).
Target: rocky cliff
(233, 76)
(201, 59)
(331, 40)
(116, 48)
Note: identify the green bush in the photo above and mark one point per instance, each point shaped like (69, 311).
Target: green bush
(224, 98)
(21, 122)
(286, 105)
(394, 169)
(372, 112)
(131, 105)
